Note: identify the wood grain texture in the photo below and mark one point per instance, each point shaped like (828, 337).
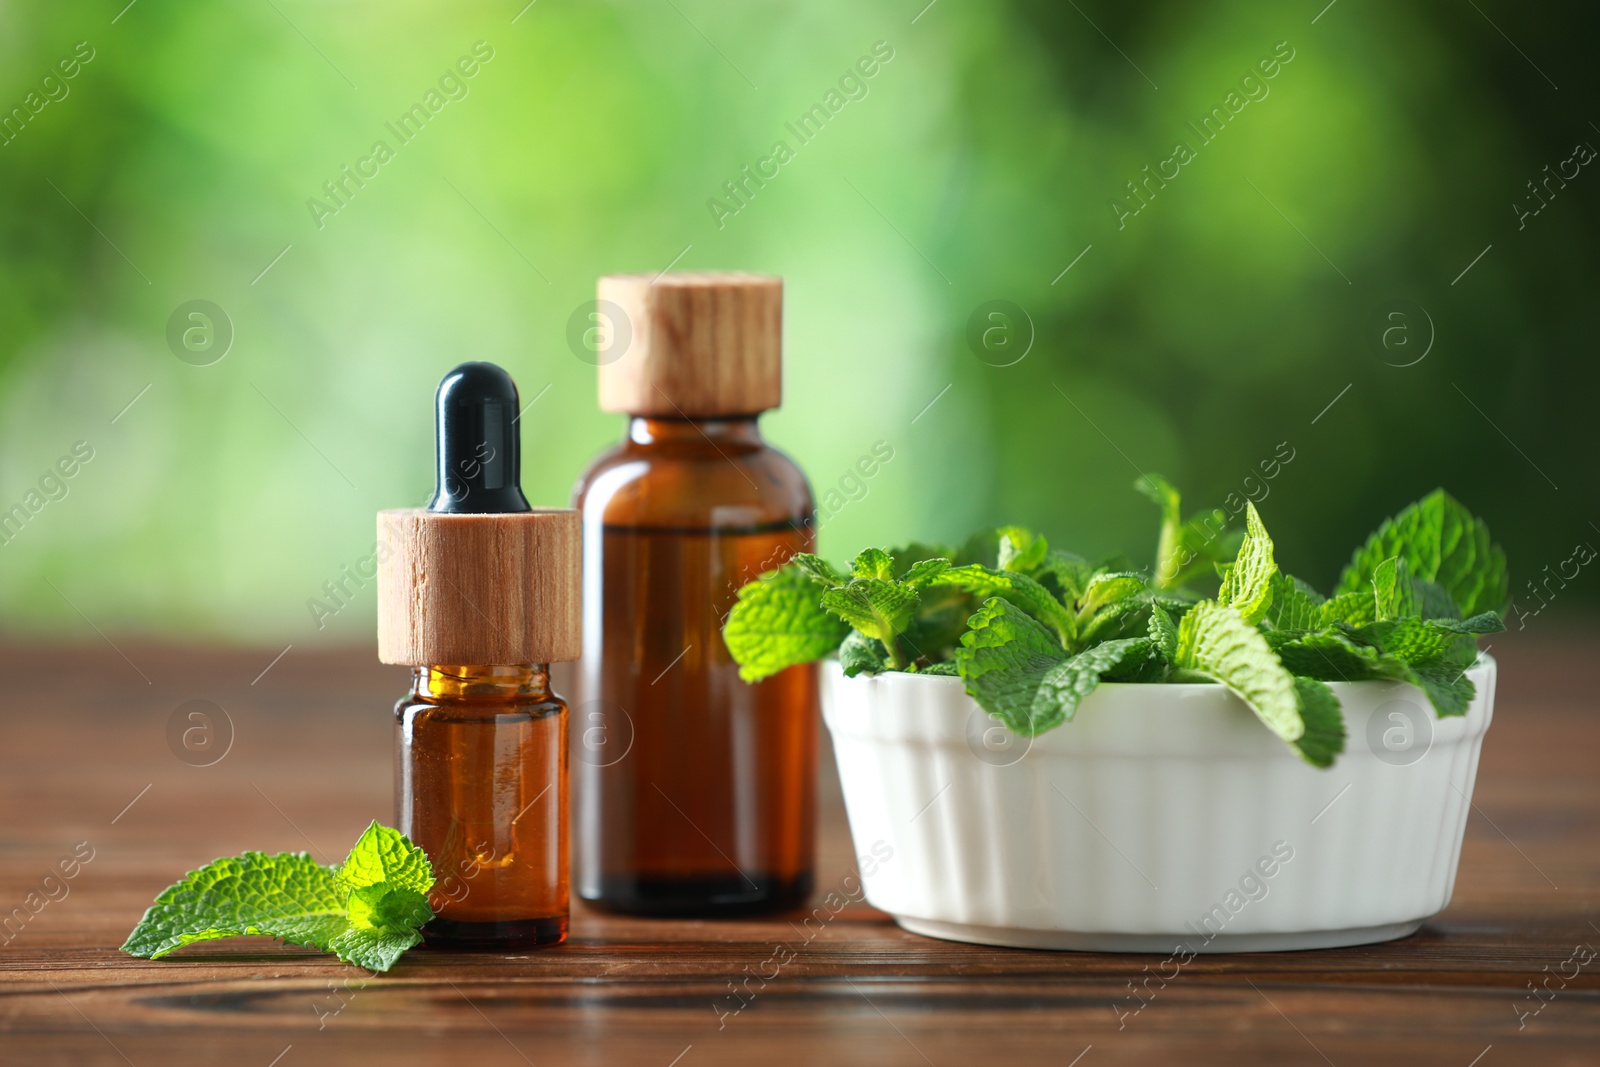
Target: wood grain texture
(473, 590)
(699, 344)
(89, 757)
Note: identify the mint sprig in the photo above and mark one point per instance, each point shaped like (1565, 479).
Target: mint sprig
(1032, 630)
(366, 911)
(779, 622)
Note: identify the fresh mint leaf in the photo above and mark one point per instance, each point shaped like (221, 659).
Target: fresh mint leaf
(1020, 549)
(1324, 735)
(384, 922)
(1442, 542)
(1447, 685)
(817, 569)
(1357, 608)
(805, 609)
(1143, 663)
(873, 563)
(374, 948)
(1333, 657)
(1217, 641)
(1488, 622)
(945, 669)
(1295, 605)
(1065, 685)
(368, 910)
(288, 896)
(862, 654)
(925, 571)
(387, 907)
(1164, 632)
(1247, 588)
(941, 619)
(778, 621)
(1392, 593)
(1128, 617)
(1065, 575)
(1003, 657)
(1436, 654)
(983, 583)
(1410, 640)
(387, 879)
(1106, 589)
(877, 604)
(1433, 601)
(878, 607)
(1424, 653)
(384, 856)
(1018, 673)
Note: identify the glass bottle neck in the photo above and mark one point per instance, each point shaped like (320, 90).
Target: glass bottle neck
(733, 430)
(495, 682)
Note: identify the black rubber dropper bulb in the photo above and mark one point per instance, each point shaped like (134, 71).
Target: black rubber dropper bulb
(478, 447)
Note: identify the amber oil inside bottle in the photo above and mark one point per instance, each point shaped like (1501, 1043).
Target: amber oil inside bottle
(480, 782)
(696, 789)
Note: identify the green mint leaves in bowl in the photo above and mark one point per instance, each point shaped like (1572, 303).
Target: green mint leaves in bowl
(366, 911)
(1032, 630)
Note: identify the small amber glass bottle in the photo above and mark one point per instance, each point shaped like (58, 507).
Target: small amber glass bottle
(478, 592)
(480, 785)
(695, 790)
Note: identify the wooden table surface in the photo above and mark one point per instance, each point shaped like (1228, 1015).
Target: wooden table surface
(86, 759)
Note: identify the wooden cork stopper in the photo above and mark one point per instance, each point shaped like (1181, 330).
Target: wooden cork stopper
(699, 345)
(476, 590)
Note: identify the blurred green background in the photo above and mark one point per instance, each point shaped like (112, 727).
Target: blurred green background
(1247, 311)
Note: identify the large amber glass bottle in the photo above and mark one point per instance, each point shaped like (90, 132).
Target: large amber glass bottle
(695, 791)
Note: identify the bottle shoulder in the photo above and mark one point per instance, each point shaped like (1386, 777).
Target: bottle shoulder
(413, 709)
(699, 484)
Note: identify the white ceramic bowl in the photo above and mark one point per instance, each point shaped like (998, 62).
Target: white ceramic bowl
(1162, 814)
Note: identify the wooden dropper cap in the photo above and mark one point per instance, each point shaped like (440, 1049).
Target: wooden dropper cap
(698, 345)
(478, 577)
